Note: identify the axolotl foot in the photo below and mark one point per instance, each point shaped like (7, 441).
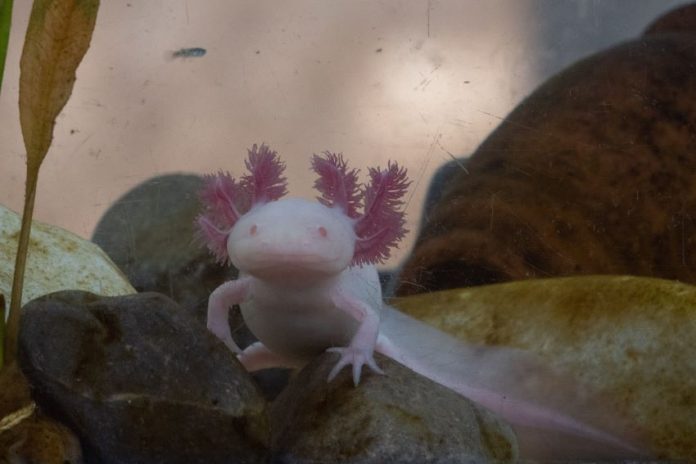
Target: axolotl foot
(355, 356)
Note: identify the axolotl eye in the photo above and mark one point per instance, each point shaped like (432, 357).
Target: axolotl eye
(321, 231)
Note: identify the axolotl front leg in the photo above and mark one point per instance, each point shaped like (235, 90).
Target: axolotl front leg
(256, 356)
(361, 349)
(219, 303)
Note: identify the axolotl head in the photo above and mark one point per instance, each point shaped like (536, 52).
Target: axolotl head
(290, 238)
(246, 222)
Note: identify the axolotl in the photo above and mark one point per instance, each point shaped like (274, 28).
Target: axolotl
(308, 283)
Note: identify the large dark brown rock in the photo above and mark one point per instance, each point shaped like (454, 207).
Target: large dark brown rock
(400, 417)
(140, 381)
(593, 173)
(680, 19)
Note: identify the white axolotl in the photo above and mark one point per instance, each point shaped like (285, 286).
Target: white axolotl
(307, 284)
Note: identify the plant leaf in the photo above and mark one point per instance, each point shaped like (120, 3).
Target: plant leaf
(58, 36)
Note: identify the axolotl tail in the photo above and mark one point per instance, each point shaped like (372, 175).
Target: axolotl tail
(554, 416)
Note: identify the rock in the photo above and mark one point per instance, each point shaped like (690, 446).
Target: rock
(40, 440)
(57, 260)
(15, 391)
(140, 381)
(26, 435)
(680, 19)
(149, 234)
(626, 337)
(400, 417)
(592, 174)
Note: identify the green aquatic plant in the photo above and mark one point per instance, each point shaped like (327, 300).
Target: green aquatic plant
(5, 21)
(57, 38)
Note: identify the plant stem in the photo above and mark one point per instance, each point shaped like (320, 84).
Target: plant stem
(20, 265)
(5, 21)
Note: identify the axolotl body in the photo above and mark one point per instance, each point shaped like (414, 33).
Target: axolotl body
(300, 266)
(306, 280)
(307, 284)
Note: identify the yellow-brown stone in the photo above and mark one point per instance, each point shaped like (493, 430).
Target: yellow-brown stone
(631, 338)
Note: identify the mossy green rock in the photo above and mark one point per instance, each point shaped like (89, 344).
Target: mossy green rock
(629, 337)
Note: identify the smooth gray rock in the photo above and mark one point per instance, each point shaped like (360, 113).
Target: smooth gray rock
(400, 417)
(140, 381)
(149, 234)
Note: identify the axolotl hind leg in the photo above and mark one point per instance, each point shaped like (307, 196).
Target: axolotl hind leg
(257, 356)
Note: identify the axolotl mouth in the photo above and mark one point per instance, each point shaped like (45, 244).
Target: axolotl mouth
(289, 260)
(281, 263)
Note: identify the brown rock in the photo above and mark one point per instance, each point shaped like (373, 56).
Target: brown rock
(627, 337)
(593, 173)
(680, 19)
(40, 440)
(26, 435)
(400, 417)
(14, 390)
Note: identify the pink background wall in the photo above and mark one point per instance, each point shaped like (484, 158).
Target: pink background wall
(413, 81)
